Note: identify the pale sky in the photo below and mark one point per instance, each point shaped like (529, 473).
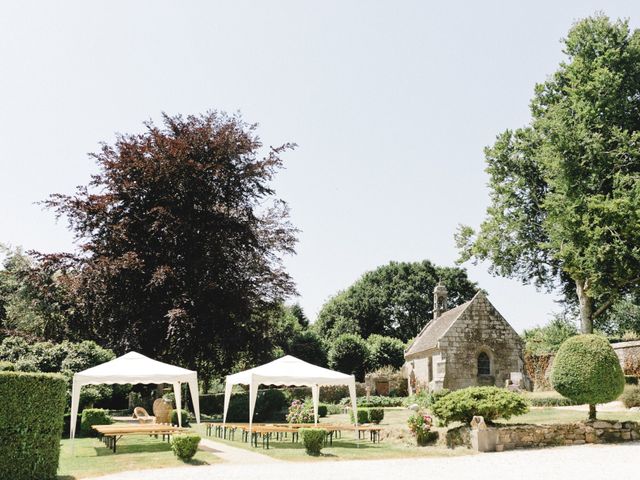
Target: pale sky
(391, 104)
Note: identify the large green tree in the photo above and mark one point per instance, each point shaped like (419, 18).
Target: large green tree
(565, 189)
(181, 242)
(393, 300)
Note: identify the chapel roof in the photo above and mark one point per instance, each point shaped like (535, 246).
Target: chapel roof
(434, 330)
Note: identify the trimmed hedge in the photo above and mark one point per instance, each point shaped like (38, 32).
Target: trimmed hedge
(173, 416)
(185, 445)
(631, 397)
(587, 370)
(270, 405)
(31, 424)
(376, 415)
(375, 401)
(489, 402)
(93, 416)
(323, 410)
(313, 440)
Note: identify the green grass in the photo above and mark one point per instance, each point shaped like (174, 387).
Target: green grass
(92, 458)
(348, 448)
(561, 415)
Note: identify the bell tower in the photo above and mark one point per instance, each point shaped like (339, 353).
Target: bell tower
(439, 300)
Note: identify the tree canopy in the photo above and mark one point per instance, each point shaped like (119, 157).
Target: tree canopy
(565, 189)
(393, 300)
(181, 240)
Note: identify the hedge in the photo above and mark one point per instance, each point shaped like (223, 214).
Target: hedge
(185, 446)
(93, 416)
(587, 370)
(31, 424)
(270, 405)
(375, 401)
(313, 440)
(488, 402)
(173, 416)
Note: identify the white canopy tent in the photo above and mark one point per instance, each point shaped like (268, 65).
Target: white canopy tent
(288, 371)
(135, 368)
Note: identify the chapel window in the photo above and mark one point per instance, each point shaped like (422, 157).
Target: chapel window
(484, 364)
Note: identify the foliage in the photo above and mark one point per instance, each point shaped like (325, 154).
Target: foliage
(363, 415)
(173, 417)
(269, 406)
(376, 415)
(34, 299)
(7, 366)
(30, 424)
(632, 364)
(336, 393)
(425, 398)
(349, 354)
(420, 426)
(397, 383)
(307, 345)
(300, 412)
(181, 241)
(565, 189)
(395, 300)
(631, 397)
(623, 319)
(549, 400)
(385, 352)
(375, 401)
(323, 410)
(93, 416)
(547, 339)
(185, 445)
(488, 402)
(587, 370)
(313, 440)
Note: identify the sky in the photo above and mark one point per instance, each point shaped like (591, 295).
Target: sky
(390, 102)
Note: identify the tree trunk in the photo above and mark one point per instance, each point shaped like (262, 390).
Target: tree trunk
(586, 307)
(592, 412)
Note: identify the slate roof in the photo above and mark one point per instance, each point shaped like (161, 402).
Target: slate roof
(433, 331)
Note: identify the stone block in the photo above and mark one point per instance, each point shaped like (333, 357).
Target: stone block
(600, 424)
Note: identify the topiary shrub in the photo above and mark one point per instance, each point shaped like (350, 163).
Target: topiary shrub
(93, 416)
(363, 415)
(7, 366)
(631, 397)
(30, 424)
(313, 440)
(587, 370)
(323, 410)
(376, 415)
(489, 402)
(185, 445)
(173, 418)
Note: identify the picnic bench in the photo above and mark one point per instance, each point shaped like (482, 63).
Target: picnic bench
(110, 434)
(264, 432)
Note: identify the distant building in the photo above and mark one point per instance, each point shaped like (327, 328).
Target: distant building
(469, 345)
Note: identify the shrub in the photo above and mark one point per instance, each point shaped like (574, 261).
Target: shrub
(628, 379)
(30, 424)
(420, 426)
(300, 412)
(376, 415)
(7, 366)
(349, 354)
(323, 410)
(185, 445)
(363, 415)
(173, 417)
(587, 370)
(334, 409)
(489, 402)
(212, 403)
(631, 397)
(375, 401)
(313, 440)
(335, 393)
(550, 401)
(93, 416)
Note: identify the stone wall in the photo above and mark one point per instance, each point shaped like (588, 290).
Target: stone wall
(534, 436)
(480, 328)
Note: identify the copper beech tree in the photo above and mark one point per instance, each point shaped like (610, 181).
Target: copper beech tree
(181, 240)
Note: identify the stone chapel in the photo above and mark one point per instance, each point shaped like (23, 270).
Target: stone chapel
(469, 345)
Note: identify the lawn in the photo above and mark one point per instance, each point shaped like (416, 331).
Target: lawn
(92, 458)
(564, 415)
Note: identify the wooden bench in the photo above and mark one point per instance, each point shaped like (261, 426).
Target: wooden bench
(110, 434)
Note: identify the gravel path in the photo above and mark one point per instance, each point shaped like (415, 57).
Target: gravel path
(583, 462)
(234, 454)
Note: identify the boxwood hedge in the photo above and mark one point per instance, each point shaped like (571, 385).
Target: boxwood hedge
(31, 424)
